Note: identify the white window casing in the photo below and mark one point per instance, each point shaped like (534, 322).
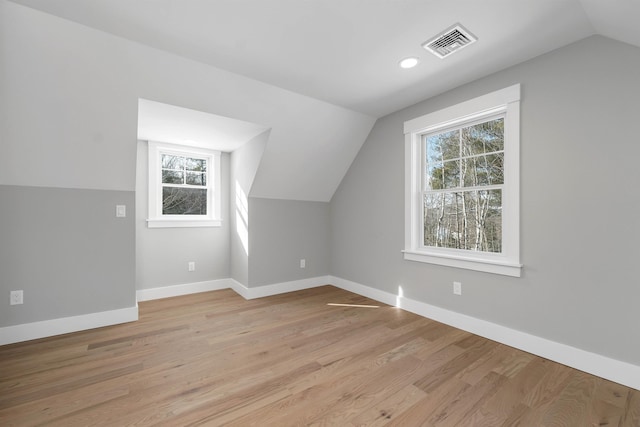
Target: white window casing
(156, 218)
(504, 102)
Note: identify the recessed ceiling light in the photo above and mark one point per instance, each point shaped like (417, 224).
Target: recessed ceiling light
(410, 62)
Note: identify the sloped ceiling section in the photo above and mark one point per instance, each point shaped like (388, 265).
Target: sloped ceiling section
(307, 161)
(346, 52)
(72, 91)
(178, 125)
(616, 19)
(316, 72)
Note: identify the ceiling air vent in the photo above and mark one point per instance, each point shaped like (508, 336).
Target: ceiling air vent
(450, 41)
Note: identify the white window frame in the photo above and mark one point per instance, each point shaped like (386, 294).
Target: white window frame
(505, 101)
(156, 219)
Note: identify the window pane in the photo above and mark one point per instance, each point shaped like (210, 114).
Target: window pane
(196, 178)
(443, 146)
(184, 201)
(172, 177)
(435, 177)
(443, 175)
(483, 170)
(484, 220)
(198, 165)
(436, 213)
(483, 138)
(172, 162)
(470, 220)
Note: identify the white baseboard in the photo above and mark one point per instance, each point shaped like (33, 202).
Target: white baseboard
(184, 289)
(65, 325)
(239, 288)
(593, 363)
(279, 288)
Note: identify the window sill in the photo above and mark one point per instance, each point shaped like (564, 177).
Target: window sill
(487, 266)
(180, 223)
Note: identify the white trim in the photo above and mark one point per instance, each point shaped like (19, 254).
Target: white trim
(183, 289)
(155, 218)
(593, 363)
(65, 325)
(242, 290)
(484, 265)
(179, 222)
(365, 291)
(280, 288)
(467, 109)
(507, 103)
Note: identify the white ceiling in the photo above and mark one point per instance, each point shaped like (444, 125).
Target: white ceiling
(179, 125)
(346, 51)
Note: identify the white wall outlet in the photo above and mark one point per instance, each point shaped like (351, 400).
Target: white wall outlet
(192, 266)
(16, 297)
(457, 288)
(121, 211)
(303, 263)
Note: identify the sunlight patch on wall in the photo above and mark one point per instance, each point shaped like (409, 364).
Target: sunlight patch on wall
(242, 217)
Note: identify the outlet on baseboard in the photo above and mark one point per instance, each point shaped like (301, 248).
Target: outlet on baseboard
(457, 288)
(16, 297)
(192, 266)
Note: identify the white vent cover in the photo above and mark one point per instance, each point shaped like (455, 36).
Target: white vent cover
(450, 41)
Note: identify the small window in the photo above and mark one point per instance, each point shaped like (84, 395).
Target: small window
(184, 186)
(462, 198)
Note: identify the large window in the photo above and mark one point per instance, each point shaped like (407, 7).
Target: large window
(184, 186)
(462, 185)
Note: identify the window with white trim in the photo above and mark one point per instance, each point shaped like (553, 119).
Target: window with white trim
(184, 186)
(462, 185)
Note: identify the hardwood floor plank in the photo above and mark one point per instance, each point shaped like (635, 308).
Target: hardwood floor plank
(468, 401)
(571, 406)
(14, 399)
(516, 388)
(421, 411)
(454, 366)
(384, 410)
(291, 359)
(57, 406)
(631, 415)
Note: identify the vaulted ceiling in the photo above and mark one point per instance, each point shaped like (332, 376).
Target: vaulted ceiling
(346, 52)
(313, 74)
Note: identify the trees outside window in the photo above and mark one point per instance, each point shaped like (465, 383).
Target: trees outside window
(463, 179)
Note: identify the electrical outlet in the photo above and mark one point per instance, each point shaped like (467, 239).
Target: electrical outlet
(16, 298)
(303, 263)
(457, 288)
(192, 266)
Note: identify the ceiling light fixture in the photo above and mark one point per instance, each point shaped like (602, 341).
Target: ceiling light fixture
(409, 62)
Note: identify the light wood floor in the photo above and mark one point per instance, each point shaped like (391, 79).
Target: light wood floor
(216, 359)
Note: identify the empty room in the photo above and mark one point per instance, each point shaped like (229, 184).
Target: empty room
(319, 212)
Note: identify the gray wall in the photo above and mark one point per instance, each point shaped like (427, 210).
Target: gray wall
(163, 254)
(67, 250)
(244, 164)
(579, 205)
(283, 232)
